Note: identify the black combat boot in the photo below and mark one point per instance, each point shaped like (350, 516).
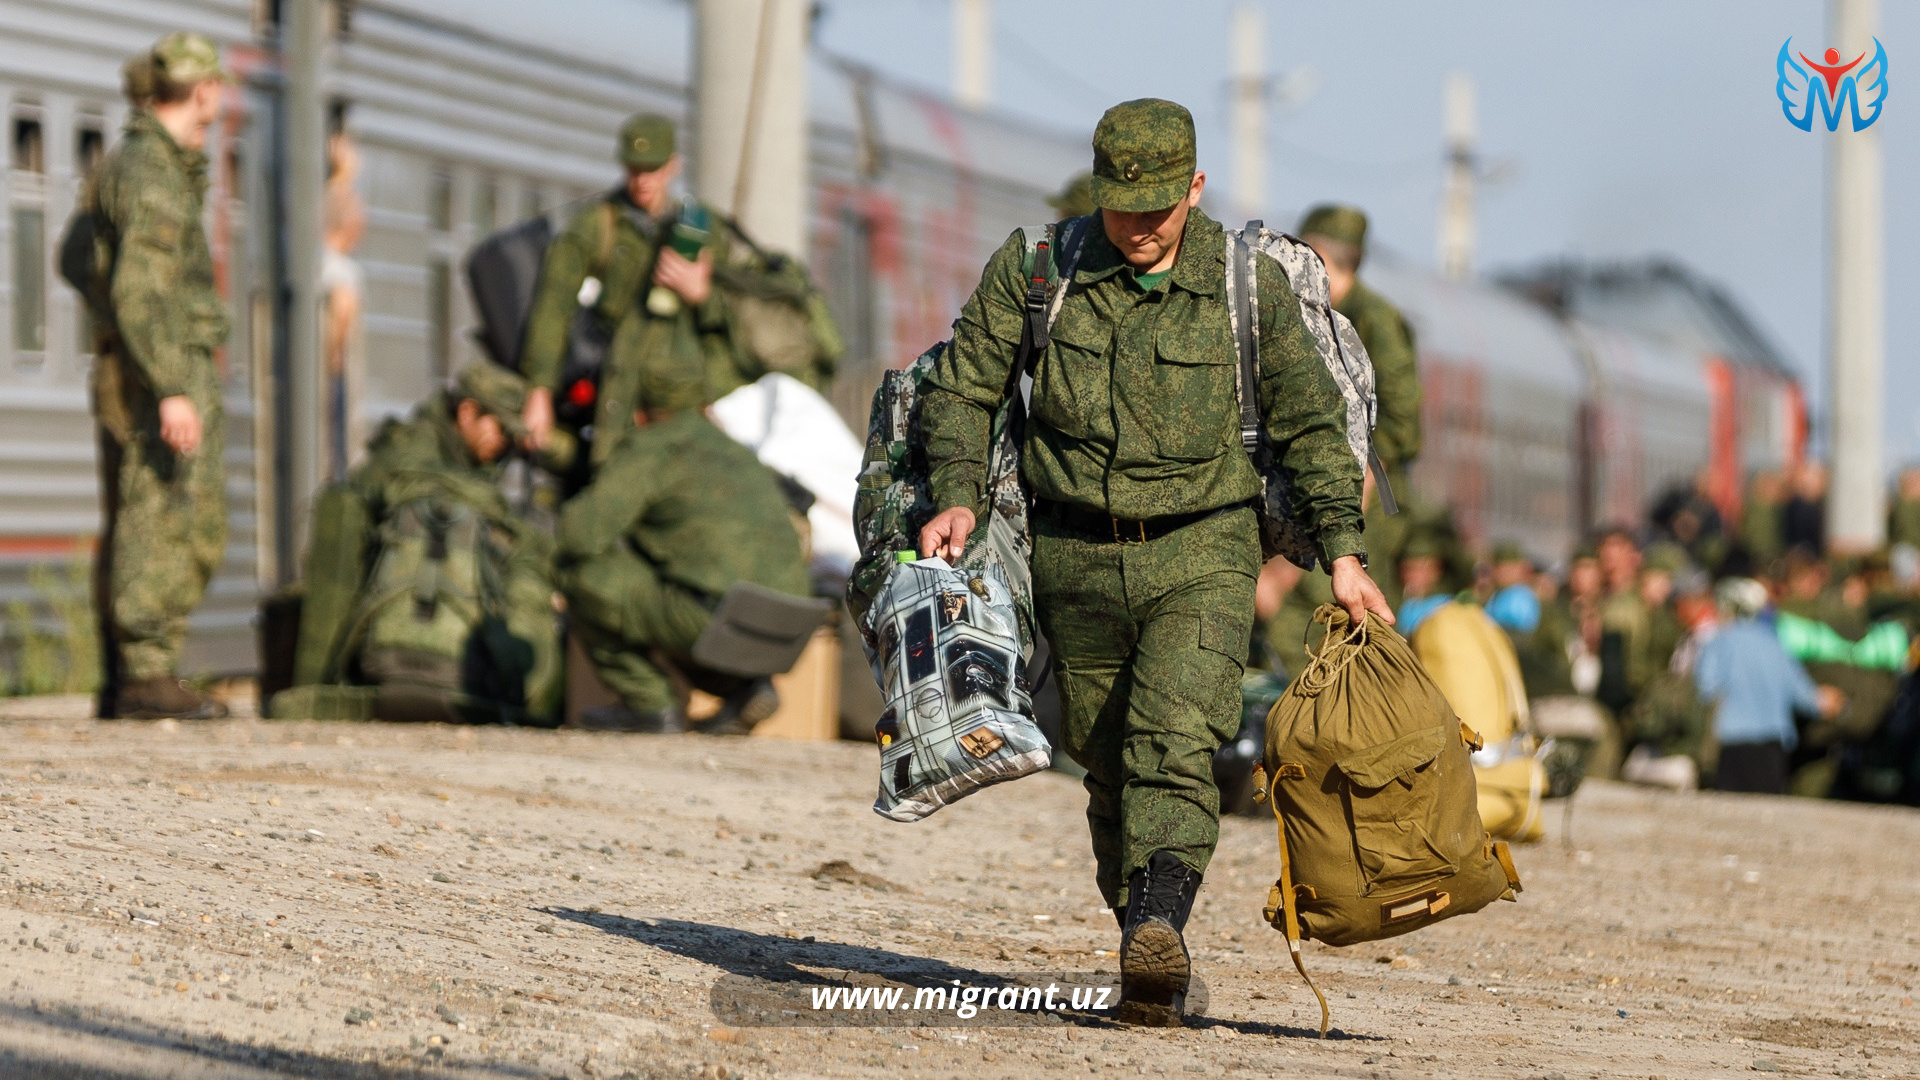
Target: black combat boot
(1154, 966)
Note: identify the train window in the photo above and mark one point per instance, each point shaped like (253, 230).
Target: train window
(89, 146)
(440, 200)
(439, 320)
(28, 145)
(486, 199)
(29, 279)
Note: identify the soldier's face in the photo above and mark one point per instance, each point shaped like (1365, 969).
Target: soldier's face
(650, 189)
(1150, 240)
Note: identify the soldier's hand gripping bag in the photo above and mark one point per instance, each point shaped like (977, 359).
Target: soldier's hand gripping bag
(959, 715)
(1369, 775)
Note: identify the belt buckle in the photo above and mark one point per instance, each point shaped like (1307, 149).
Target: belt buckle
(1126, 537)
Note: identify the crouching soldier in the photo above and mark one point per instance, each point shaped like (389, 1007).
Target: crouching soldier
(426, 597)
(680, 563)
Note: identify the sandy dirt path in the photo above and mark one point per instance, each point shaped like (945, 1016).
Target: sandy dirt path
(248, 899)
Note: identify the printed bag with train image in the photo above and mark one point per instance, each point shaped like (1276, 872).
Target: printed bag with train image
(958, 714)
(1370, 776)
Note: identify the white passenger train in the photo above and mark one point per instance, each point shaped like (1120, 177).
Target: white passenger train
(471, 116)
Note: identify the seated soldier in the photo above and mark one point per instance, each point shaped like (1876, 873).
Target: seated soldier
(677, 517)
(427, 597)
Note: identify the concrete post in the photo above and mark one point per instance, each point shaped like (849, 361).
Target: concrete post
(973, 53)
(1856, 311)
(750, 116)
(306, 39)
(1248, 50)
(1456, 240)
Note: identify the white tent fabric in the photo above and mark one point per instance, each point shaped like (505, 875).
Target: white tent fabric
(794, 431)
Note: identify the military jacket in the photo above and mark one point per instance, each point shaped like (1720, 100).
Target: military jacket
(696, 504)
(163, 317)
(1134, 411)
(695, 342)
(1396, 372)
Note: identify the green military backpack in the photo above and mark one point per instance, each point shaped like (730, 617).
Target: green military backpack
(443, 626)
(780, 318)
(1369, 775)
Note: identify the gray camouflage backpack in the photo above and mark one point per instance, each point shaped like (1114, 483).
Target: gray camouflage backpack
(1281, 530)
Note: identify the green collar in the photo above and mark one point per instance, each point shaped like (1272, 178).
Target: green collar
(1199, 267)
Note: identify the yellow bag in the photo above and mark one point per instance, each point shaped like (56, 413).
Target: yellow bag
(1374, 795)
(1473, 663)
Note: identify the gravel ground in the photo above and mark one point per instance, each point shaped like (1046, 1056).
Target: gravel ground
(248, 899)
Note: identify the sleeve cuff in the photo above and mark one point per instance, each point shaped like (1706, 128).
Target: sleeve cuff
(961, 487)
(1340, 543)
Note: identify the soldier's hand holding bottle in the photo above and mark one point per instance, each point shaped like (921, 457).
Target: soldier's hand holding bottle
(691, 279)
(946, 535)
(180, 424)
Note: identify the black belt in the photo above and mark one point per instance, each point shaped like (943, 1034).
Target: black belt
(1105, 528)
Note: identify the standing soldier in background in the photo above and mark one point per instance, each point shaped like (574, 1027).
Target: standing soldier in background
(156, 396)
(1339, 235)
(1145, 546)
(667, 318)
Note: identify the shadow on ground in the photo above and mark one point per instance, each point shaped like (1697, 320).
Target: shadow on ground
(36, 1044)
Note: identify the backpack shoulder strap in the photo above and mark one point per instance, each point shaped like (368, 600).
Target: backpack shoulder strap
(1246, 333)
(603, 255)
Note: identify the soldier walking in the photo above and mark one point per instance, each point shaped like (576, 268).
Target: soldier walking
(1145, 544)
(156, 395)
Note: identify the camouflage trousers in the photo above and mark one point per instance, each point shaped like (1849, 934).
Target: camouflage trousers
(639, 629)
(1149, 642)
(163, 534)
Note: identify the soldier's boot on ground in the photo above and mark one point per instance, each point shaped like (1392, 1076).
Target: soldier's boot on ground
(1154, 965)
(164, 698)
(668, 721)
(744, 710)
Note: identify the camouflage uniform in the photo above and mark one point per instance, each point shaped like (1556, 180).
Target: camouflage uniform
(692, 346)
(157, 321)
(348, 516)
(1134, 418)
(1396, 380)
(676, 516)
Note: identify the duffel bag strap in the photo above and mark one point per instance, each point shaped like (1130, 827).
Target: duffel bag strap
(1283, 902)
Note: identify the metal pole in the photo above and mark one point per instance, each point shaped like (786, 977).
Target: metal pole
(1456, 238)
(973, 53)
(304, 37)
(1856, 311)
(1249, 51)
(750, 116)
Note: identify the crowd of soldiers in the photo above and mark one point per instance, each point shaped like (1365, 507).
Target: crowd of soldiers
(430, 594)
(427, 593)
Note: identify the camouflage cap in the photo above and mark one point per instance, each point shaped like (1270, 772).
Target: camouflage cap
(1666, 556)
(670, 385)
(1143, 156)
(1507, 551)
(1347, 224)
(1076, 198)
(499, 391)
(184, 58)
(646, 141)
(136, 79)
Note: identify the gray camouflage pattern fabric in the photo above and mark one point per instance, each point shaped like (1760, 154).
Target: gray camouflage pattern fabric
(1338, 343)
